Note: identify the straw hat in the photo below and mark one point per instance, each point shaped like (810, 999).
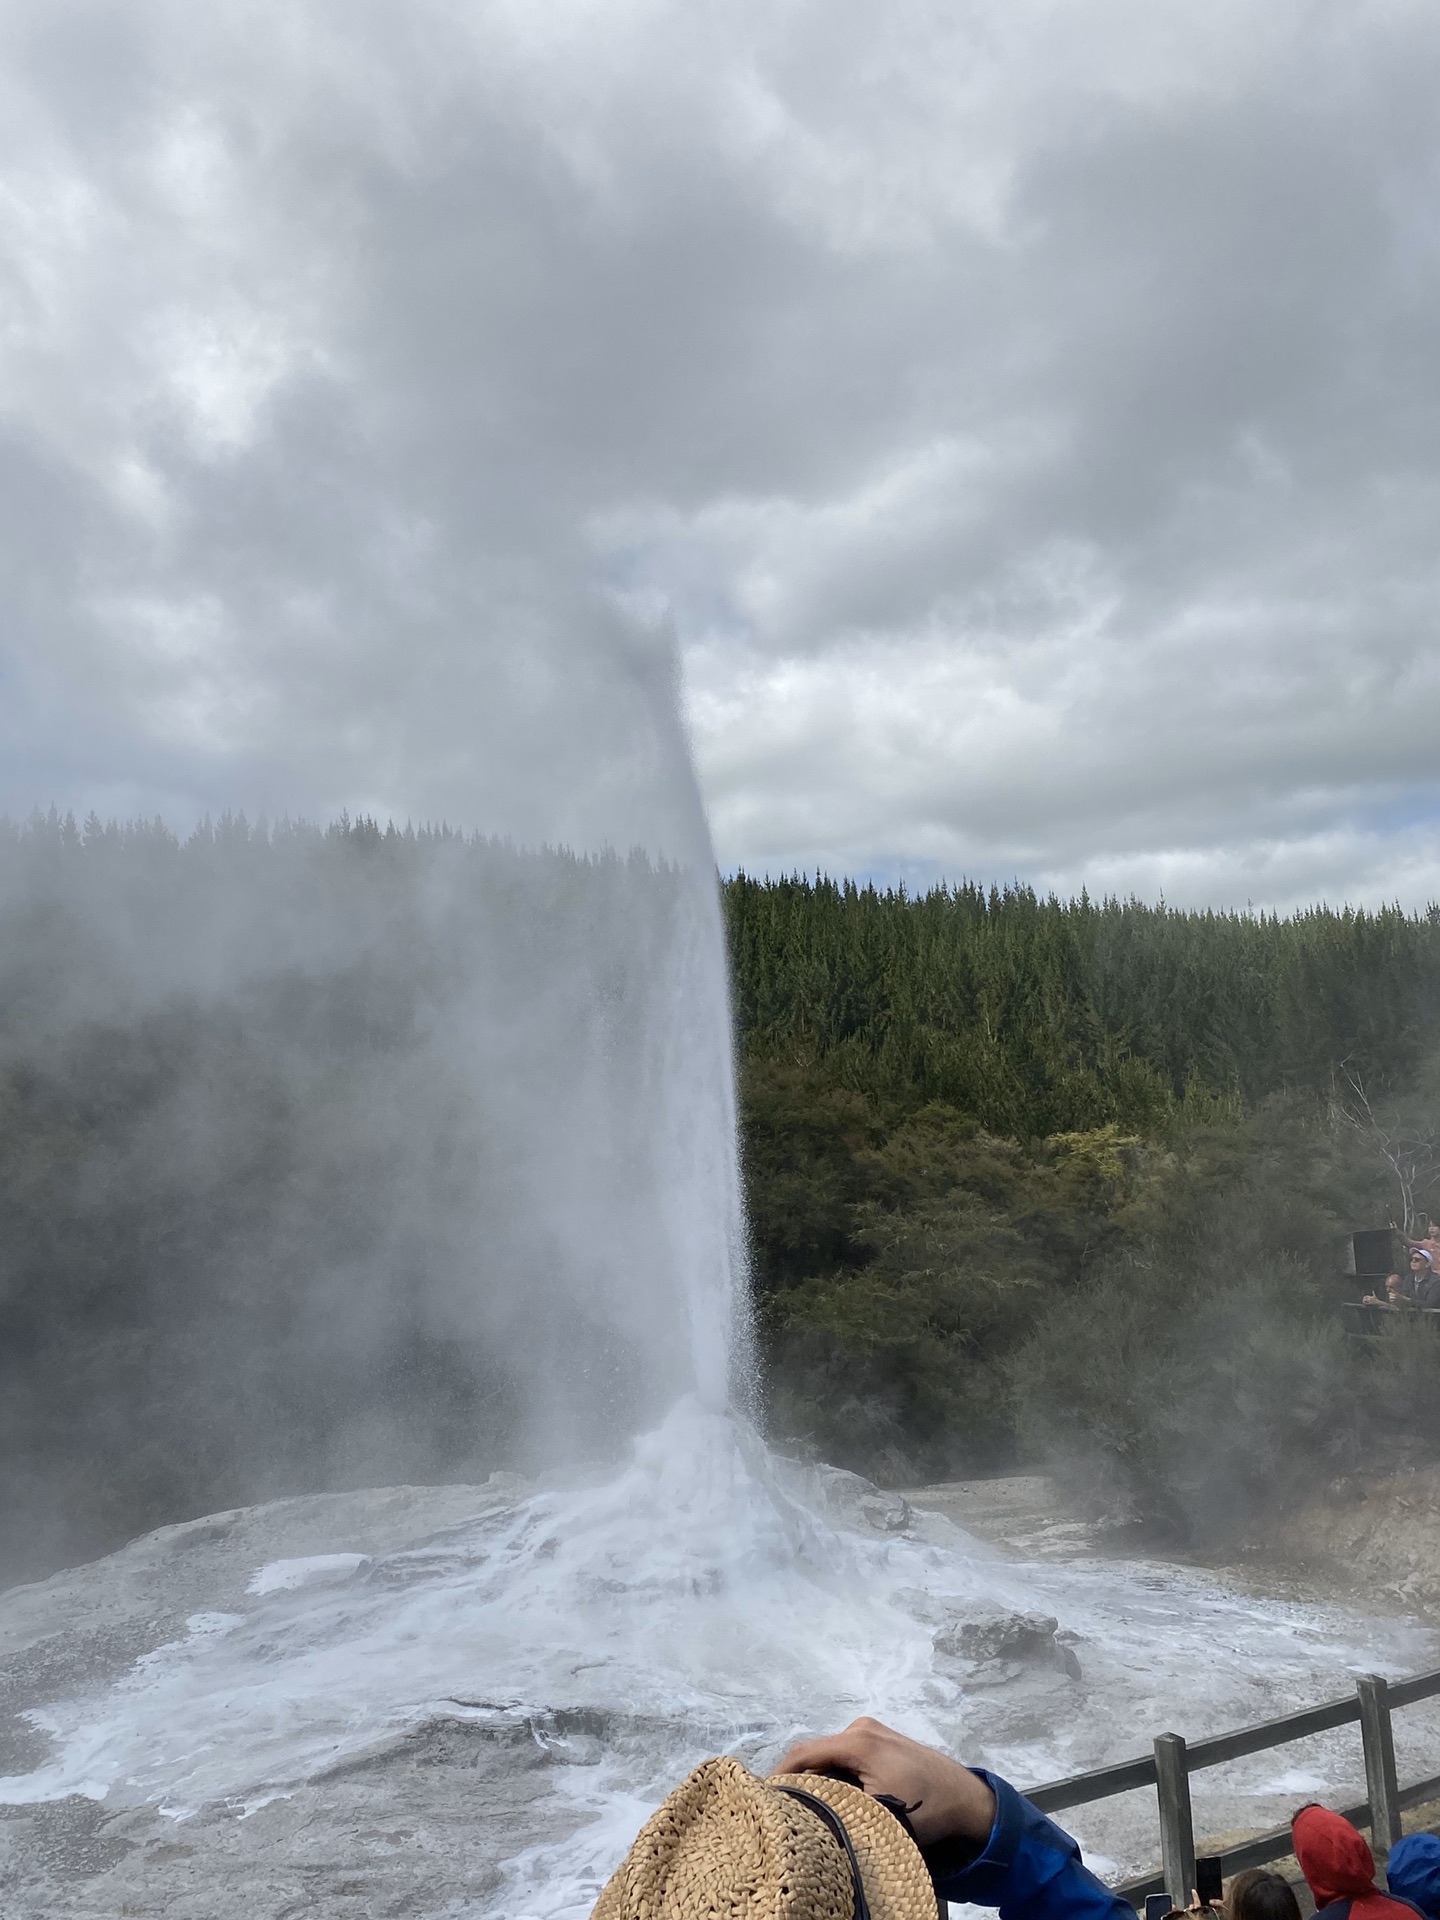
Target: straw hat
(726, 1846)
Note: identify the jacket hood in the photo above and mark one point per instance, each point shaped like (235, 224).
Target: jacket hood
(1413, 1871)
(1334, 1858)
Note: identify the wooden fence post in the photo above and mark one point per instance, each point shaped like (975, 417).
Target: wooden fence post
(1381, 1785)
(1177, 1828)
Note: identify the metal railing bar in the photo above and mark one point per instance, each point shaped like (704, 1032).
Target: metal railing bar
(1080, 1788)
(1126, 1776)
(1274, 1845)
(1272, 1733)
(1258, 1852)
(1420, 1792)
(1405, 1693)
(1138, 1891)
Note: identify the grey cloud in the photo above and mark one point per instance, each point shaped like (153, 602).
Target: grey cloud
(304, 542)
(1025, 422)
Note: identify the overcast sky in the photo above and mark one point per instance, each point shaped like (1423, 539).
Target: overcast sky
(1009, 431)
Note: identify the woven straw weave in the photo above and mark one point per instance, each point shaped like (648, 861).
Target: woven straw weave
(726, 1846)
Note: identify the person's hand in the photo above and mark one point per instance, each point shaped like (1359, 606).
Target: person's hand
(943, 1799)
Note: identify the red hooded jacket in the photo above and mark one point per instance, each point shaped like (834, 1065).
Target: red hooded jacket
(1339, 1870)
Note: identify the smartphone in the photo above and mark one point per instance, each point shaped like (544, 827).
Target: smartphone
(1209, 1880)
(1157, 1905)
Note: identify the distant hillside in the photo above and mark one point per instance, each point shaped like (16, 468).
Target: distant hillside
(1062, 1180)
(1044, 1016)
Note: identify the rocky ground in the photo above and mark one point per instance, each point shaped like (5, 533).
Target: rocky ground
(1368, 1534)
(1023, 1513)
(1367, 1537)
(416, 1825)
(1373, 1538)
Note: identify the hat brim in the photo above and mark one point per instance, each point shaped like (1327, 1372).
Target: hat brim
(897, 1881)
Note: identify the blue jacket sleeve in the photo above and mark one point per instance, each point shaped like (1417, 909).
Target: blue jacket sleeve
(1030, 1869)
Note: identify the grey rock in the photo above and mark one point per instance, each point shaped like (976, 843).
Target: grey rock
(849, 1500)
(1002, 1636)
(921, 1606)
(886, 1512)
(417, 1826)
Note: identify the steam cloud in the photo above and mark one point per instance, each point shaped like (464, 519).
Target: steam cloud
(343, 1159)
(366, 1160)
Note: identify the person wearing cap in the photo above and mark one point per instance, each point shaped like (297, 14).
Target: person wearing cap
(1413, 1871)
(1419, 1288)
(1424, 1280)
(904, 1830)
(1339, 1869)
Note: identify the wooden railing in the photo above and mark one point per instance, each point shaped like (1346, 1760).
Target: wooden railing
(1169, 1767)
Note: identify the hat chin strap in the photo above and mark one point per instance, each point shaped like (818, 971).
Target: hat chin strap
(837, 1827)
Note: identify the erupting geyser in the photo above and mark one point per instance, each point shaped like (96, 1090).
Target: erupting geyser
(546, 1106)
(365, 1157)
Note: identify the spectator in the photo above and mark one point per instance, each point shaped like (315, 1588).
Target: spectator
(1424, 1279)
(1339, 1869)
(1413, 1871)
(982, 1841)
(864, 1820)
(1259, 1894)
(1420, 1287)
(1397, 1293)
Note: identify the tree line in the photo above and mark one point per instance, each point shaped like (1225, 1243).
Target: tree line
(1028, 1181)
(1062, 1182)
(1045, 1016)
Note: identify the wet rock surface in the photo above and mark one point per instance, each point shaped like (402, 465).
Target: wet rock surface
(1369, 1533)
(418, 1830)
(1365, 1535)
(1024, 1513)
(415, 1827)
(851, 1501)
(422, 1823)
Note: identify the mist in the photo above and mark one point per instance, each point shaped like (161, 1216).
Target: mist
(345, 1158)
(356, 1156)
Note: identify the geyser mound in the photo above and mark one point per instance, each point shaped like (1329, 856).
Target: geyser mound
(513, 1689)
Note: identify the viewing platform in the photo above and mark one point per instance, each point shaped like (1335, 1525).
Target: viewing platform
(1172, 1761)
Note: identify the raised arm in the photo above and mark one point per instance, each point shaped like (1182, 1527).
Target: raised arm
(982, 1841)
(942, 1799)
